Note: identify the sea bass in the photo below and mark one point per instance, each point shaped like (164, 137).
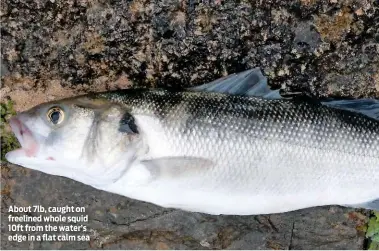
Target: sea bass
(232, 146)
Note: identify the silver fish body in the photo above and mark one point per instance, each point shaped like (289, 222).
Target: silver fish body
(248, 155)
(229, 147)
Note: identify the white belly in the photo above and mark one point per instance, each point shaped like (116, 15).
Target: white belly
(267, 182)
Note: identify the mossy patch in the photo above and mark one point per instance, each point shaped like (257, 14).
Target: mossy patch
(8, 140)
(373, 232)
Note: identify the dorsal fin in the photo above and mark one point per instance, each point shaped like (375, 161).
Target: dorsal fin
(368, 107)
(250, 83)
(253, 83)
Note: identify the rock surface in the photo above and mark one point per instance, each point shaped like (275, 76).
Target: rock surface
(52, 49)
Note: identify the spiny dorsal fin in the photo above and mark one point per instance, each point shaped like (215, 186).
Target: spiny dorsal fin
(249, 83)
(253, 83)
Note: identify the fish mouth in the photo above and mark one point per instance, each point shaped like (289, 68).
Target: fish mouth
(29, 145)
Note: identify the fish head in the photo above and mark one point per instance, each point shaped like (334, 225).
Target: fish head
(89, 140)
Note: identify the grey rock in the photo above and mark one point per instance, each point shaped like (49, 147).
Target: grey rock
(177, 43)
(306, 36)
(3, 68)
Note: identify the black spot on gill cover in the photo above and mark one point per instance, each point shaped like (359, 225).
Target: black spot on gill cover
(127, 124)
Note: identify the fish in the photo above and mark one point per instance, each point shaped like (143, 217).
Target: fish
(233, 146)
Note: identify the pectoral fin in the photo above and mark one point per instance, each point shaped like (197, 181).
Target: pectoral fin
(174, 167)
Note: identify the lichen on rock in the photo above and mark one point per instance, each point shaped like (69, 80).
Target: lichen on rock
(8, 140)
(373, 231)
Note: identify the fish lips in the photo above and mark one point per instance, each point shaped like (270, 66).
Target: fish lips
(29, 145)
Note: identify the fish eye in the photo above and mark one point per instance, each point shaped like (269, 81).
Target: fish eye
(55, 115)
